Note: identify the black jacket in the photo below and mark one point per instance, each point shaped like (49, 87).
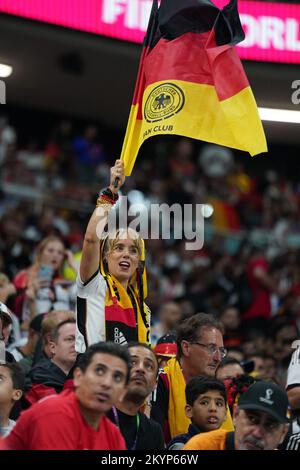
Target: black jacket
(150, 436)
(47, 373)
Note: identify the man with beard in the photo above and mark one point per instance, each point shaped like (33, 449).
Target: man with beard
(75, 419)
(260, 421)
(139, 432)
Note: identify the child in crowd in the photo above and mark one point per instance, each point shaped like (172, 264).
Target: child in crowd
(12, 381)
(206, 407)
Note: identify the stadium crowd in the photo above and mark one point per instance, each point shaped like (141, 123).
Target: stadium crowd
(237, 358)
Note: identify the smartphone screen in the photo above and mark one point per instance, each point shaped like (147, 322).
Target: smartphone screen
(46, 272)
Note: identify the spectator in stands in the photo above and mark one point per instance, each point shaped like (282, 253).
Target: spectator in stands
(270, 369)
(181, 162)
(263, 201)
(200, 351)
(169, 317)
(260, 421)
(235, 387)
(293, 391)
(89, 154)
(230, 317)
(41, 287)
(50, 321)
(75, 420)
(23, 353)
(14, 253)
(285, 337)
(259, 365)
(173, 286)
(216, 297)
(205, 406)
(216, 162)
(261, 285)
(5, 325)
(110, 301)
(49, 375)
(12, 383)
(229, 368)
(254, 341)
(165, 348)
(139, 432)
(59, 150)
(236, 353)
(7, 288)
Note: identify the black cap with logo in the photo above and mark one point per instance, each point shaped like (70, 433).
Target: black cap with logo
(267, 397)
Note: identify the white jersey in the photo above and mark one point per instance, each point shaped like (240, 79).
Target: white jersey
(293, 380)
(90, 311)
(293, 376)
(61, 296)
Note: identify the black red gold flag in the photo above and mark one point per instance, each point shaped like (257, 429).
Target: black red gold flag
(191, 81)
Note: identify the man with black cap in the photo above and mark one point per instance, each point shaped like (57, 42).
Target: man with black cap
(260, 421)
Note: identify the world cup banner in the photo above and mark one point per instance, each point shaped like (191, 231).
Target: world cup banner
(272, 29)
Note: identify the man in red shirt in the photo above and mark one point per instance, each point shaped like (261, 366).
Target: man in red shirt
(261, 285)
(75, 420)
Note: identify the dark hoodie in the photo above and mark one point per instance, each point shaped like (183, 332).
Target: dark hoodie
(44, 379)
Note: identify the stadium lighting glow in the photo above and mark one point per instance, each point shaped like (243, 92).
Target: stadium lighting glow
(5, 70)
(207, 210)
(279, 115)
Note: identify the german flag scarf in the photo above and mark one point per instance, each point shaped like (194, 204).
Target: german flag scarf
(127, 317)
(178, 421)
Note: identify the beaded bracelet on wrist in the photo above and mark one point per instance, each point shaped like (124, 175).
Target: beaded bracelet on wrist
(107, 197)
(107, 193)
(103, 203)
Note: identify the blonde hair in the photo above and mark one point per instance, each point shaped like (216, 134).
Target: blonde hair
(43, 244)
(122, 233)
(50, 322)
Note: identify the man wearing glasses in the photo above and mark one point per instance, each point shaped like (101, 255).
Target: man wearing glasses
(260, 421)
(200, 351)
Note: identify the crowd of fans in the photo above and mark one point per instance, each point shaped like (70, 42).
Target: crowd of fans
(247, 274)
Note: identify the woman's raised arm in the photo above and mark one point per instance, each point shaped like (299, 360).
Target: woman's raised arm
(91, 245)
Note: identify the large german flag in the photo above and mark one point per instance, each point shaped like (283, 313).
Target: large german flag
(191, 81)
